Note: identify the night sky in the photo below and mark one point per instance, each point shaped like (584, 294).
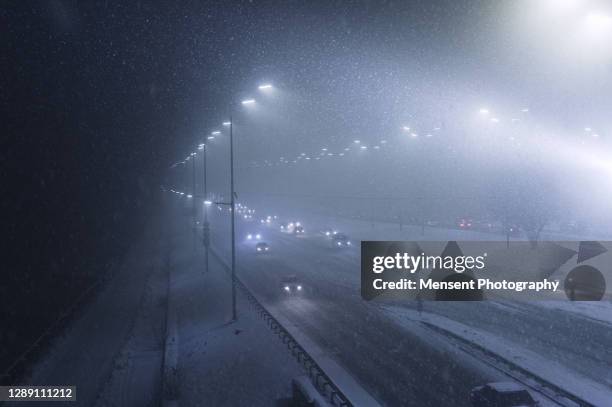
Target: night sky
(99, 98)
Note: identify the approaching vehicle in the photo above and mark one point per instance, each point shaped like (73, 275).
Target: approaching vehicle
(291, 284)
(255, 236)
(329, 232)
(262, 247)
(292, 227)
(340, 240)
(502, 394)
(267, 220)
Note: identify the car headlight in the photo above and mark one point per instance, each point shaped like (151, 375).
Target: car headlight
(326, 233)
(339, 243)
(249, 237)
(259, 249)
(287, 288)
(258, 236)
(299, 287)
(348, 243)
(267, 248)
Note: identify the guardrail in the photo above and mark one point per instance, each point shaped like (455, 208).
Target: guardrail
(556, 390)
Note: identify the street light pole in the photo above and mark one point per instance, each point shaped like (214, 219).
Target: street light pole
(193, 201)
(205, 226)
(233, 209)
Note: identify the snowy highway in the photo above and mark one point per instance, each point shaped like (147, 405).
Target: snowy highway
(391, 365)
(365, 203)
(403, 363)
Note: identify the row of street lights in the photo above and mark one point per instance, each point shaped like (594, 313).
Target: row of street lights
(203, 147)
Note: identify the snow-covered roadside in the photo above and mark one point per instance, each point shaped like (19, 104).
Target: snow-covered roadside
(84, 355)
(600, 311)
(552, 372)
(136, 377)
(220, 362)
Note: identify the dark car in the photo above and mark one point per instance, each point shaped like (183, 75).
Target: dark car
(291, 285)
(340, 240)
(299, 230)
(329, 233)
(502, 394)
(262, 247)
(465, 223)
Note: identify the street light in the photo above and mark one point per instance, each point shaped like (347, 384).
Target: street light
(267, 86)
(246, 102)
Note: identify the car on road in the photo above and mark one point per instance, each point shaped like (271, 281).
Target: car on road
(290, 227)
(502, 394)
(291, 284)
(254, 236)
(262, 247)
(329, 233)
(340, 240)
(465, 223)
(298, 230)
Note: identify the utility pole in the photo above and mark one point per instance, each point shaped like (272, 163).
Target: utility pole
(205, 226)
(233, 209)
(193, 201)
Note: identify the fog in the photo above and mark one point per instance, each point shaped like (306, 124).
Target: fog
(447, 123)
(461, 117)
